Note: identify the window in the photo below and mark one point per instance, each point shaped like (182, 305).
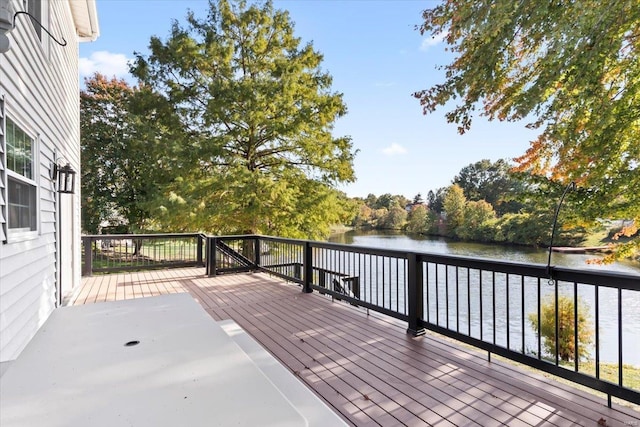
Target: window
(22, 189)
(34, 7)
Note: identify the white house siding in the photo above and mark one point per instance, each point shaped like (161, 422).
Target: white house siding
(39, 89)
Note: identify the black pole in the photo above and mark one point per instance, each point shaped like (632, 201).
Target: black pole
(415, 292)
(87, 268)
(211, 256)
(199, 257)
(571, 186)
(307, 268)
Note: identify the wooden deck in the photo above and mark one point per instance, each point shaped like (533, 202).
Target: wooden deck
(365, 366)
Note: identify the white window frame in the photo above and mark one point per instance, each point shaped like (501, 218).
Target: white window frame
(20, 234)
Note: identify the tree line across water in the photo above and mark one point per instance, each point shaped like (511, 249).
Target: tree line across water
(486, 202)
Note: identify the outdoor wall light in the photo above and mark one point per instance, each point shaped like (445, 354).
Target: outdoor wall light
(7, 23)
(66, 178)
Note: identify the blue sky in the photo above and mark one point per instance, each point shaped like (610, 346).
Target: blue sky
(377, 60)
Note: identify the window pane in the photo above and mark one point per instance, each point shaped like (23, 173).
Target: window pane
(35, 9)
(19, 151)
(22, 205)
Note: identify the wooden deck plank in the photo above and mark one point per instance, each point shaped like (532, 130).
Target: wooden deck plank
(411, 383)
(475, 370)
(366, 367)
(424, 376)
(101, 292)
(300, 364)
(325, 345)
(86, 289)
(331, 393)
(416, 381)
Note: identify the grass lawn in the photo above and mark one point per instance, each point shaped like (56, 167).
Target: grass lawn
(120, 253)
(602, 238)
(609, 372)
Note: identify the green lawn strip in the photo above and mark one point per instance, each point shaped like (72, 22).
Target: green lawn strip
(608, 372)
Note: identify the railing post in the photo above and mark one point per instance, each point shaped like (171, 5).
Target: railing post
(211, 256)
(257, 251)
(415, 294)
(307, 268)
(199, 250)
(87, 268)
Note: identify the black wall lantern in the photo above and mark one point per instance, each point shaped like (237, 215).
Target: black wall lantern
(66, 178)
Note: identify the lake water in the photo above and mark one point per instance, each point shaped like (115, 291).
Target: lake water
(608, 297)
(395, 240)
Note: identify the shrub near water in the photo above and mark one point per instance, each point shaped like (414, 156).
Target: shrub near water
(566, 327)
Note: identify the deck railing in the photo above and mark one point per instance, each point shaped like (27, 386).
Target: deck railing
(494, 305)
(125, 252)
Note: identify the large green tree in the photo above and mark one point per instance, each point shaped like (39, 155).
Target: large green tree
(571, 68)
(389, 201)
(123, 163)
(477, 221)
(492, 182)
(419, 220)
(257, 113)
(453, 206)
(394, 219)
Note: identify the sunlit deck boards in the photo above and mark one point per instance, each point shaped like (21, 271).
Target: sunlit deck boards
(366, 367)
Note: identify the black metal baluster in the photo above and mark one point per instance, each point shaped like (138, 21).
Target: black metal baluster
(481, 306)
(437, 296)
(406, 287)
(557, 320)
(468, 301)
(446, 293)
(522, 302)
(620, 365)
(576, 325)
(398, 284)
(508, 314)
(383, 284)
(377, 281)
(493, 304)
(370, 278)
(597, 327)
(539, 321)
(426, 290)
(457, 301)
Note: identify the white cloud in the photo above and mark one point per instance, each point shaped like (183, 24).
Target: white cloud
(432, 41)
(106, 63)
(394, 149)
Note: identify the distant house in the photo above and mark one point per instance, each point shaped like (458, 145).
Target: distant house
(39, 128)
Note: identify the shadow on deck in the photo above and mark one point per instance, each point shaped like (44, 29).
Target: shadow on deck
(365, 366)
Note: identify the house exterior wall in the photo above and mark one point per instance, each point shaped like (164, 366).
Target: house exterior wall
(39, 92)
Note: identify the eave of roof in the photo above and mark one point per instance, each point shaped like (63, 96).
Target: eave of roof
(85, 17)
